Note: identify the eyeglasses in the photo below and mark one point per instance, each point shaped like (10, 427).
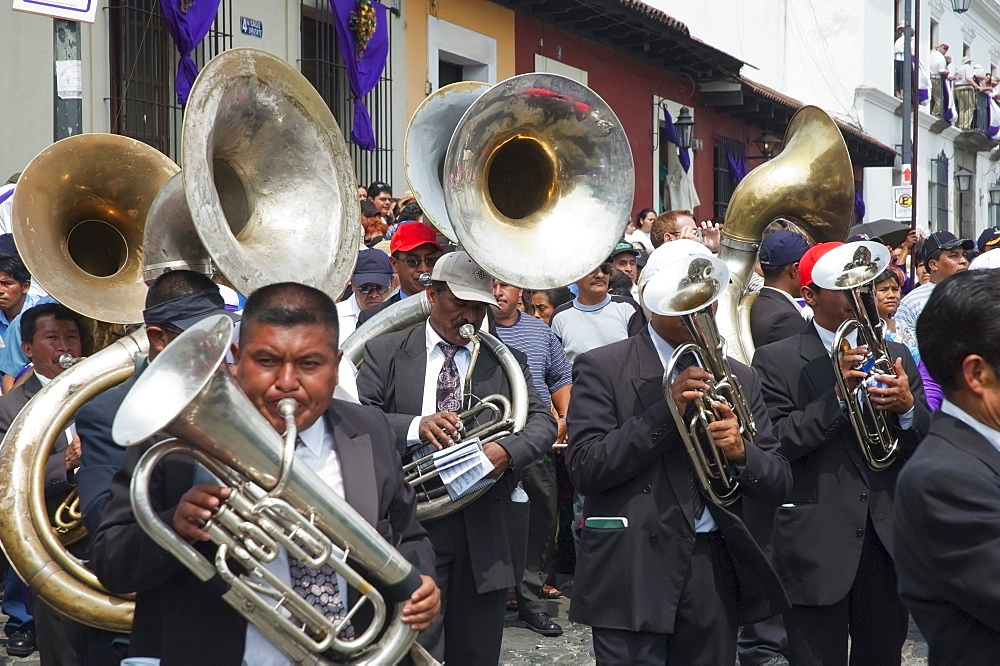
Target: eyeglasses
(413, 262)
(370, 287)
(605, 268)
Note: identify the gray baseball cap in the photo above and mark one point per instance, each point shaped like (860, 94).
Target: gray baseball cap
(466, 279)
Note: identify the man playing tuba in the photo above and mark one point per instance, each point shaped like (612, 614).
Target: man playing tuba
(416, 377)
(664, 575)
(287, 349)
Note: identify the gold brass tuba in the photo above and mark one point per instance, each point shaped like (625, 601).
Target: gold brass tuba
(853, 268)
(687, 288)
(810, 183)
(79, 212)
(274, 503)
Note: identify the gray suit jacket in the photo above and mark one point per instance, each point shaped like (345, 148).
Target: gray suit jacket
(392, 379)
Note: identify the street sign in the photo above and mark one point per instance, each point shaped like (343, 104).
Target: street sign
(252, 27)
(902, 203)
(71, 10)
(907, 173)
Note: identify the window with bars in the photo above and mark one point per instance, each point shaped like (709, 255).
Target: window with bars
(143, 62)
(937, 192)
(322, 65)
(724, 181)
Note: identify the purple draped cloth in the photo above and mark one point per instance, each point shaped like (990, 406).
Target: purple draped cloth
(947, 103)
(188, 21)
(671, 133)
(363, 73)
(737, 166)
(859, 206)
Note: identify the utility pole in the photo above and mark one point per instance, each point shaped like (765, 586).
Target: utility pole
(68, 102)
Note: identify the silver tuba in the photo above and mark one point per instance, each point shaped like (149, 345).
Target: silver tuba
(852, 269)
(522, 154)
(688, 288)
(187, 392)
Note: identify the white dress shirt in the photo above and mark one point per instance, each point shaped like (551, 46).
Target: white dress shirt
(319, 454)
(664, 350)
(435, 361)
(347, 316)
(989, 434)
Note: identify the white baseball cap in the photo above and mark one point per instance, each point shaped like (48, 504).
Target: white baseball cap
(466, 279)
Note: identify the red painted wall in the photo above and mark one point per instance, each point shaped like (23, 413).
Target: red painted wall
(628, 86)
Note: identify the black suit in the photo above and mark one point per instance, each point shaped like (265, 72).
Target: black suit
(626, 457)
(184, 621)
(947, 525)
(100, 457)
(835, 536)
(489, 536)
(773, 317)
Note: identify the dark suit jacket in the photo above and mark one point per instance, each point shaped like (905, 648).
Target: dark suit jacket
(56, 481)
(184, 621)
(817, 541)
(773, 317)
(392, 379)
(947, 524)
(368, 313)
(100, 457)
(626, 457)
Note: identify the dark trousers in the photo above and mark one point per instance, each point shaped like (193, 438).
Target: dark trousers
(539, 481)
(761, 641)
(706, 624)
(871, 614)
(471, 625)
(65, 642)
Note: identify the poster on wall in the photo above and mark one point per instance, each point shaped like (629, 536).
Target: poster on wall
(84, 11)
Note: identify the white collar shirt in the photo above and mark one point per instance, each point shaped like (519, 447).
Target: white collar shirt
(347, 315)
(435, 361)
(989, 434)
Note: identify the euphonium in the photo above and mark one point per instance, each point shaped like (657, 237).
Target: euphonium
(688, 288)
(187, 392)
(853, 268)
(811, 183)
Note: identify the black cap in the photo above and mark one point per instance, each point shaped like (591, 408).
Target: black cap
(623, 247)
(187, 310)
(943, 240)
(988, 239)
(782, 248)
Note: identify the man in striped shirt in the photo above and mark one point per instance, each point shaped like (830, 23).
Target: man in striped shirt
(552, 377)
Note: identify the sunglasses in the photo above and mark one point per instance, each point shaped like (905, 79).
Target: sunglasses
(413, 262)
(605, 268)
(370, 287)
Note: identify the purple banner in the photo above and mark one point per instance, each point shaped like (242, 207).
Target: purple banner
(671, 133)
(188, 21)
(364, 70)
(859, 206)
(737, 166)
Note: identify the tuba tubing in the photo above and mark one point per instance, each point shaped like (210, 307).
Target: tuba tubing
(31, 545)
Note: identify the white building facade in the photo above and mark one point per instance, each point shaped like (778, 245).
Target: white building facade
(839, 56)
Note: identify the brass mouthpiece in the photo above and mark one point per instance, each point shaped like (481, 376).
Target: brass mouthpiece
(467, 331)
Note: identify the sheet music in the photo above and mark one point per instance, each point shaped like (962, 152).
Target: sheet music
(462, 468)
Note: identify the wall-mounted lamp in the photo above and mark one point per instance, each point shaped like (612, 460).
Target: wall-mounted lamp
(960, 6)
(963, 178)
(685, 127)
(767, 144)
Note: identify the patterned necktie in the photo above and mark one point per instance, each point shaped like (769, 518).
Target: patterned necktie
(697, 501)
(449, 384)
(319, 586)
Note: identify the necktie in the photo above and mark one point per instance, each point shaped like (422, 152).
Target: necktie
(319, 586)
(449, 384)
(697, 501)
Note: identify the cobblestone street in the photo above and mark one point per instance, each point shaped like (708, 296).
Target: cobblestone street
(521, 646)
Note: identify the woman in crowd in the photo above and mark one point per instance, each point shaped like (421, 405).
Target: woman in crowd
(643, 225)
(547, 300)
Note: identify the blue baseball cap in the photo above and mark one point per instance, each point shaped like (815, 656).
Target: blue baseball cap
(373, 267)
(782, 248)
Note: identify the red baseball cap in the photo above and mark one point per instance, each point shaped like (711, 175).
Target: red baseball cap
(413, 234)
(810, 258)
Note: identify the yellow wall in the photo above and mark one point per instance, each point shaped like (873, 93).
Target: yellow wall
(478, 15)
